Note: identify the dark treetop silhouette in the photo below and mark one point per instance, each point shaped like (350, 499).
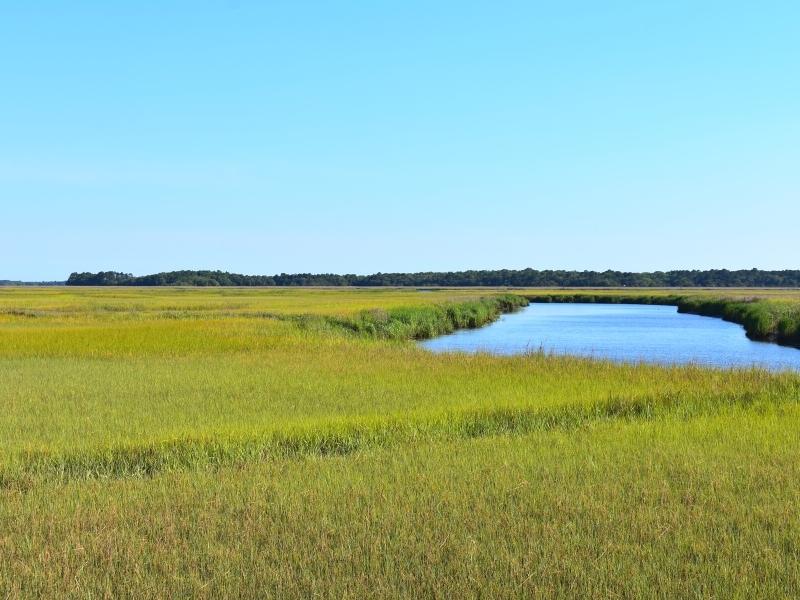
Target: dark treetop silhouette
(503, 277)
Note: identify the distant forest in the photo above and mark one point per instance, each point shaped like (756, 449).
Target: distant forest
(503, 277)
(8, 283)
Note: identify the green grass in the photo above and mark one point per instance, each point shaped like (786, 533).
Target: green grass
(667, 508)
(296, 443)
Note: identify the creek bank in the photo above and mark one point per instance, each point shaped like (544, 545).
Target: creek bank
(415, 322)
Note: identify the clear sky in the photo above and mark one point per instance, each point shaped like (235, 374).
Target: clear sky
(263, 137)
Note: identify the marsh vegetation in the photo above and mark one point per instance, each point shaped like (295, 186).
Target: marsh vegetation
(293, 443)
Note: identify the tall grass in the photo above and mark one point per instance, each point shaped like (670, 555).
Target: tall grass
(422, 322)
(674, 508)
(252, 443)
(337, 436)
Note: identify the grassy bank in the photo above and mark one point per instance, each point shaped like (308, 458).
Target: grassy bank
(428, 321)
(297, 443)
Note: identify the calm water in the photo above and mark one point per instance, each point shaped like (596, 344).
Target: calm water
(622, 332)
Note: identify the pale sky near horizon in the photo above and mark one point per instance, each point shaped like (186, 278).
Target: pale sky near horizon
(356, 137)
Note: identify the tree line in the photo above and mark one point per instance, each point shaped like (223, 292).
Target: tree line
(494, 278)
(10, 283)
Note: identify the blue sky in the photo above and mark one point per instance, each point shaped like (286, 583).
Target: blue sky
(263, 137)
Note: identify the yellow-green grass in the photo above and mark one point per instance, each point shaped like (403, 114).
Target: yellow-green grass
(84, 303)
(708, 507)
(173, 442)
(142, 303)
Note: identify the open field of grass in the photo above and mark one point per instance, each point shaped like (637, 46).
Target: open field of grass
(296, 443)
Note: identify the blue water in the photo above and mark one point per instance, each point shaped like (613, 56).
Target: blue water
(620, 332)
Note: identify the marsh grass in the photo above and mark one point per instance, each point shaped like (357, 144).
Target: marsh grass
(219, 443)
(700, 508)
